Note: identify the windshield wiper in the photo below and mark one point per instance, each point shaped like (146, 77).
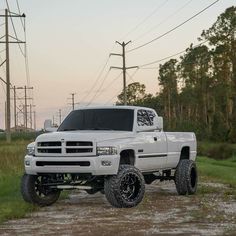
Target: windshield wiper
(100, 128)
(68, 130)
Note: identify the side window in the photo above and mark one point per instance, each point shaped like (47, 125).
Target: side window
(151, 115)
(142, 118)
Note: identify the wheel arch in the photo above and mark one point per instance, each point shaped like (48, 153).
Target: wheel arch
(127, 156)
(185, 153)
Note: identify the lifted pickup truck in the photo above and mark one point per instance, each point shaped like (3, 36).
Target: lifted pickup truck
(115, 150)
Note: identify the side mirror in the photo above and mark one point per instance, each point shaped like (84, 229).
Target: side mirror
(159, 122)
(49, 127)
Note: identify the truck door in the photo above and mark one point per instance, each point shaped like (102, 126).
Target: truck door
(153, 152)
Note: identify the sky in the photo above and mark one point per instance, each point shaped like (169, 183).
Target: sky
(69, 42)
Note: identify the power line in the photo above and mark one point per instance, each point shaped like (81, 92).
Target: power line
(168, 57)
(131, 78)
(173, 29)
(163, 21)
(146, 18)
(27, 71)
(19, 11)
(99, 75)
(25, 54)
(100, 87)
(113, 81)
(110, 84)
(97, 79)
(14, 29)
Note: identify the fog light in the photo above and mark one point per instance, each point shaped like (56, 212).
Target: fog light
(106, 163)
(27, 163)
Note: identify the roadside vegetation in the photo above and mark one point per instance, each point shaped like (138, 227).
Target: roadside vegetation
(11, 169)
(221, 171)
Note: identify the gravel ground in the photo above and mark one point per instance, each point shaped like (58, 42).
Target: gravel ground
(212, 211)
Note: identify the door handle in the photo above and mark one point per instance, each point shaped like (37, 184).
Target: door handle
(155, 138)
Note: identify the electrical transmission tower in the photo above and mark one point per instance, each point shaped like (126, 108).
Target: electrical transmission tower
(124, 68)
(7, 42)
(22, 109)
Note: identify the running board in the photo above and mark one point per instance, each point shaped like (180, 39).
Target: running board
(74, 187)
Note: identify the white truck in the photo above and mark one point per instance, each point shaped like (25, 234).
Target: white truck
(115, 150)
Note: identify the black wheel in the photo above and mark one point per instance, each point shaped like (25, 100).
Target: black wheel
(186, 177)
(34, 190)
(126, 189)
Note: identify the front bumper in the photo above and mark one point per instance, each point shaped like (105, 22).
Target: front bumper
(95, 165)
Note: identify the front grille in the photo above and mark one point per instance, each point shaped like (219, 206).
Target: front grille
(49, 144)
(78, 143)
(62, 163)
(45, 150)
(79, 150)
(68, 148)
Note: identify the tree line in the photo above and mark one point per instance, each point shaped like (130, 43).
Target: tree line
(198, 91)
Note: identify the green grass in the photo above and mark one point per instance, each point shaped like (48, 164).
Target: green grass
(220, 171)
(11, 170)
(16, 136)
(11, 204)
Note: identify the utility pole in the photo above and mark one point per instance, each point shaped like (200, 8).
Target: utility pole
(7, 61)
(31, 116)
(35, 120)
(59, 116)
(14, 92)
(73, 101)
(124, 68)
(8, 93)
(25, 89)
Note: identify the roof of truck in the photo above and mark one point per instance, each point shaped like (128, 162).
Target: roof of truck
(113, 107)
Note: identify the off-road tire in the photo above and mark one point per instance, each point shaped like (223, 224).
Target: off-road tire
(30, 195)
(114, 187)
(186, 177)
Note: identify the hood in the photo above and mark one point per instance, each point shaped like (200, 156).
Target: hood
(97, 136)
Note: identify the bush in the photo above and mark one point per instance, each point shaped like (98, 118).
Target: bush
(221, 152)
(217, 151)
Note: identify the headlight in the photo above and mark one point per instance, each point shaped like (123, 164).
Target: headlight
(31, 151)
(106, 151)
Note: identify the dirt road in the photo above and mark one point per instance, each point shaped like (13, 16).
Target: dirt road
(211, 212)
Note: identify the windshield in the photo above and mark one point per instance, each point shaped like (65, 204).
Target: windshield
(99, 119)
